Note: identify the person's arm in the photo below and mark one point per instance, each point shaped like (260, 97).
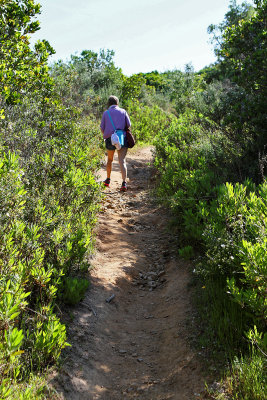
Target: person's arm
(102, 125)
(127, 120)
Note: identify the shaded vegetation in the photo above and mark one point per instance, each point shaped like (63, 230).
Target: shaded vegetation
(212, 166)
(49, 201)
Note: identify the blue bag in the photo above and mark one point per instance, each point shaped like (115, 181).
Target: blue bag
(120, 135)
(119, 132)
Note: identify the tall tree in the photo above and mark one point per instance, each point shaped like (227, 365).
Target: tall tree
(242, 50)
(21, 68)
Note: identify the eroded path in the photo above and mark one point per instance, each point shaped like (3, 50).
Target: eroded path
(135, 346)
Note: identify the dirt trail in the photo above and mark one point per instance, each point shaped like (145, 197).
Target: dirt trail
(134, 347)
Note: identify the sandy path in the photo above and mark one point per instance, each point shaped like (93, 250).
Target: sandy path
(134, 347)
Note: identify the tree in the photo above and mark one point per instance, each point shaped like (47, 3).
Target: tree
(21, 68)
(242, 49)
(132, 87)
(88, 79)
(235, 14)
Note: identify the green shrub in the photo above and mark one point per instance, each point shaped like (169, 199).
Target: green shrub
(248, 378)
(74, 290)
(234, 265)
(36, 388)
(48, 339)
(186, 252)
(147, 121)
(184, 155)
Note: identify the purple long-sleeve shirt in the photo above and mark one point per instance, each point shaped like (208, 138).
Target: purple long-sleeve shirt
(119, 117)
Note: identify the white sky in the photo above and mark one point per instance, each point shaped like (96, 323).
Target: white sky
(146, 35)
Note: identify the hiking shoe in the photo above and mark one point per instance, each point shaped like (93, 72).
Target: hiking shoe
(106, 182)
(123, 187)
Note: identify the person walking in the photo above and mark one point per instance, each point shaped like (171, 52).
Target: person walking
(116, 117)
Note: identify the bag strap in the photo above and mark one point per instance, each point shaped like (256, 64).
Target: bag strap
(111, 120)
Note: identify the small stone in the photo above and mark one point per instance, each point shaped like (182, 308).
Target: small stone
(139, 359)
(126, 214)
(152, 273)
(122, 351)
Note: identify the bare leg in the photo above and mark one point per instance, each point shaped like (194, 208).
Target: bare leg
(109, 162)
(122, 161)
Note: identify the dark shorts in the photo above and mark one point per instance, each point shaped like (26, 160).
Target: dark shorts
(110, 146)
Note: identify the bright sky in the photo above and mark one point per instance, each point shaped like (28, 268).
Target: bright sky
(146, 35)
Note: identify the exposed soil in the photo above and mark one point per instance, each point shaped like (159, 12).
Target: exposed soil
(135, 346)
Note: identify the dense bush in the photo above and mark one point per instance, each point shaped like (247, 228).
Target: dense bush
(87, 80)
(234, 236)
(49, 155)
(223, 140)
(226, 223)
(49, 197)
(190, 157)
(147, 121)
(241, 51)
